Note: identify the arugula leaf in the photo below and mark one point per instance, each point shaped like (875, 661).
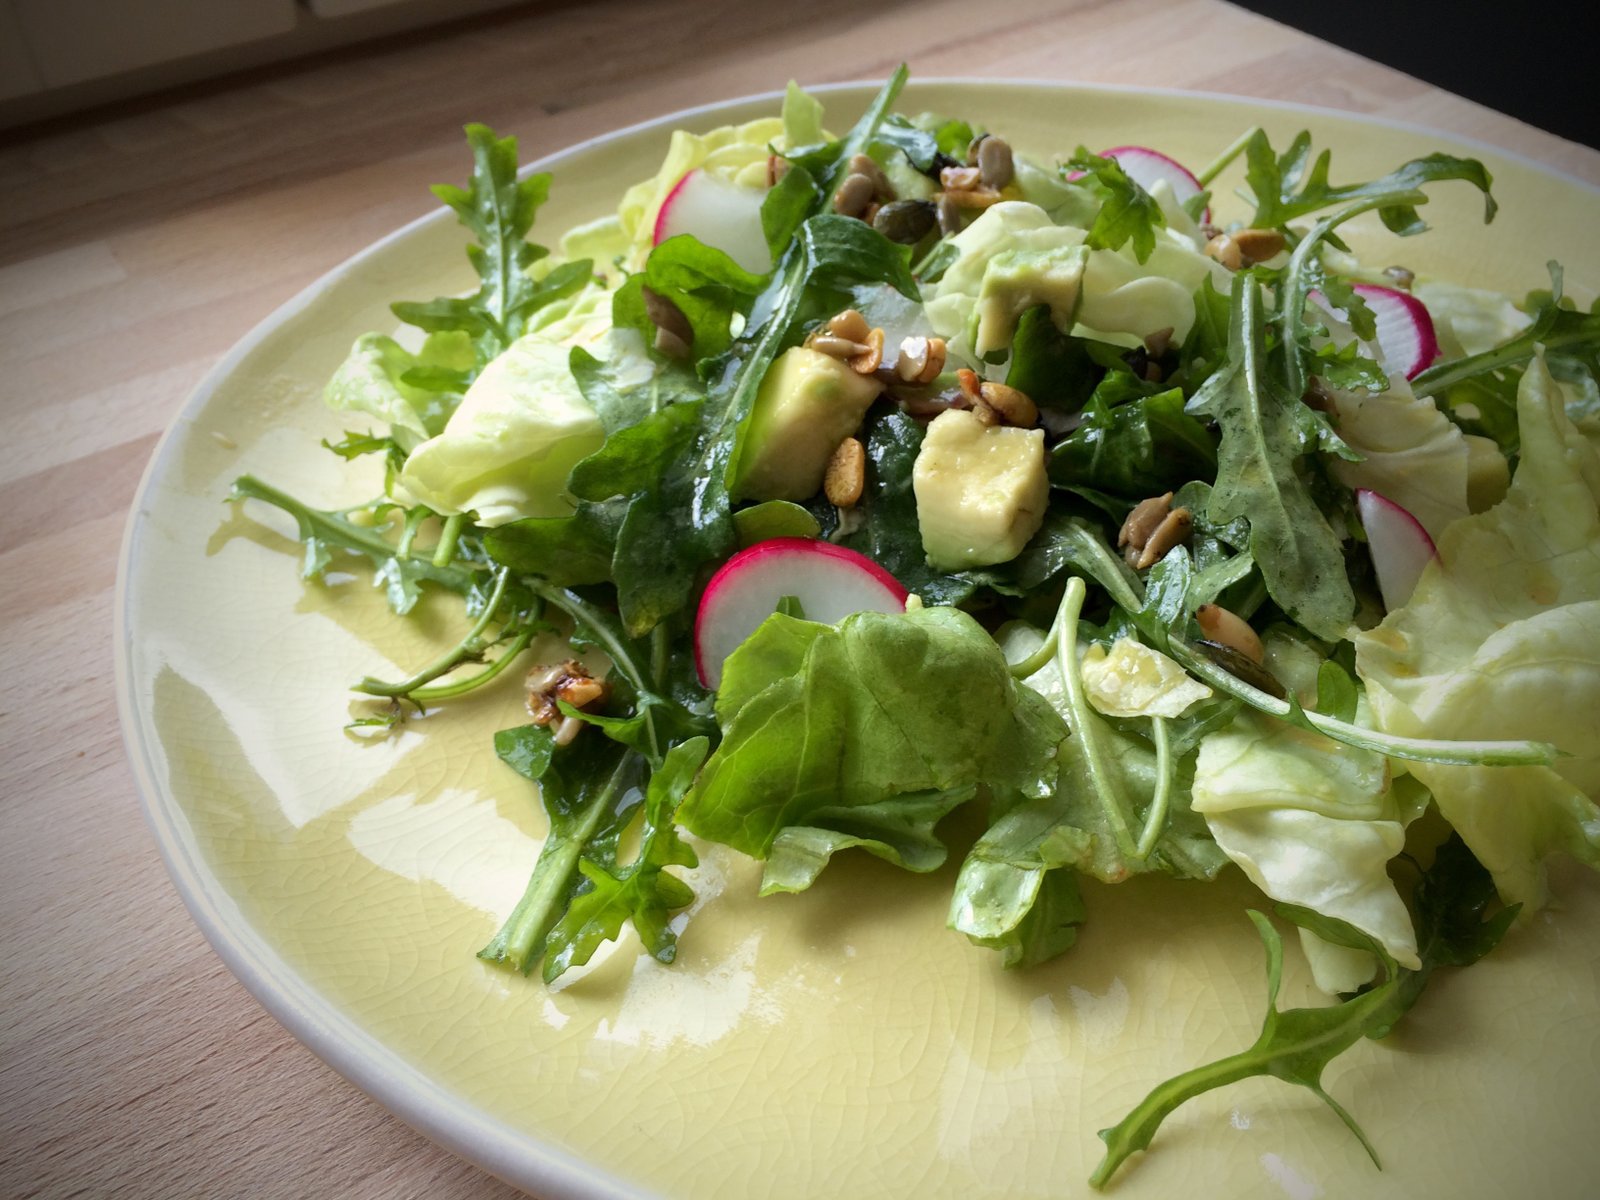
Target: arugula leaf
(499, 209)
(1284, 189)
(1265, 434)
(619, 400)
(1135, 449)
(582, 787)
(707, 286)
(1127, 211)
(1298, 1044)
(323, 532)
(786, 206)
(1050, 367)
(642, 892)
(568, 551)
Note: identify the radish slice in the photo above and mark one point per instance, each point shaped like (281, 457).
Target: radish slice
(1400, 547)
(1406, 339)
(720, 214)
(829, 581)
(1145, 166)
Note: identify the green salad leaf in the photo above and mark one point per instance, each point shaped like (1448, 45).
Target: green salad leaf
(885, 724)
(1261, 477)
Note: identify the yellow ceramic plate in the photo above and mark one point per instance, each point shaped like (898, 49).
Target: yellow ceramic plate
(841, 1043)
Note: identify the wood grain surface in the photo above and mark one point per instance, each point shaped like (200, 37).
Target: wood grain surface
(135, 246)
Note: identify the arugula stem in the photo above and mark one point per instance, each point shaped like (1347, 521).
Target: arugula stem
(1088, 735)
(1155, 821)
(445, 551)
(1294, 292)
(1220, 163)
(1444, 751)
(414, 519)
(467, 649)
(1438, 378)
(536, 913)
(449, 691)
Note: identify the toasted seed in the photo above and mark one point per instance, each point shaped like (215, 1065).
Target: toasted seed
(973, 147)
(1143, 520)
(905, 221)
(978, 197)
(846, 474)
(1240, 667)
(984, 413)
(1258, 245)
(569, 681)
(1174, 528)
(670, 344)
(959, 179)
(1014, 407)
(995, 166)
(920, 359)
(949, 214)
(1158, 343)
(1229, 629)
(864, 164)
(870, 356)
(971, 386)
(1226, 251)
(1401, 277)
(836, 347)
(664, 314)
(853, 196)
(777, 167)
(849, 324)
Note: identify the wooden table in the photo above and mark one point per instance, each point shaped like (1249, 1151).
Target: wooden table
(135, 247)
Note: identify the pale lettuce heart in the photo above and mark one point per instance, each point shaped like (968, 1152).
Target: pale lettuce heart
(1312, 822)
(1114, 298)
(370, 380)
(1470, 320)
(1411, 453)
(1501, 639)
(517, 433)
(1135, 681)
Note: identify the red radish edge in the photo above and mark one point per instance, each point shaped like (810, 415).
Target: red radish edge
(1406, 335)
(723, 215)
(741, 562)
(658, 234)
(1169, 169)
(1399, 546)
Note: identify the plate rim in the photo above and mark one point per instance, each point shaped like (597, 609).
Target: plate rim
(523, 1159)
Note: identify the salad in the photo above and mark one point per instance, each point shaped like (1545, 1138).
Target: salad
(879, 474)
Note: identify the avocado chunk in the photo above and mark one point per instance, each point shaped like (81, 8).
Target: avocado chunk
(981, 490)
(807, 404)
(1017, 280)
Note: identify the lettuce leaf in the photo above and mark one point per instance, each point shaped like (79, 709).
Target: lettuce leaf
(1502, 639)
(865, 734)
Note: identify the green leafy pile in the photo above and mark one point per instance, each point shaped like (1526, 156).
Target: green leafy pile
(866, 735)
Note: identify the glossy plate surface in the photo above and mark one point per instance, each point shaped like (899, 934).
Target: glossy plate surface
(840, 1043)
